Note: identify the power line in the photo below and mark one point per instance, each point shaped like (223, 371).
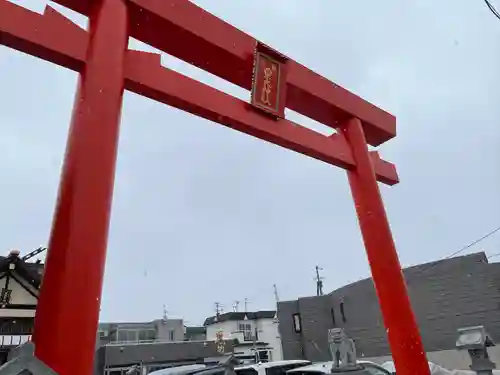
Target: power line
(493, 255)
(434, 264)
(492, 9)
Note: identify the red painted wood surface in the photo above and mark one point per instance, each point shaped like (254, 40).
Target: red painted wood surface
(69, 303)
(402, 330)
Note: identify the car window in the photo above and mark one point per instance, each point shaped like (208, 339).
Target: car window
(375, 370)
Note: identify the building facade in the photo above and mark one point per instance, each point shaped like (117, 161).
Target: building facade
(163, 330)
(255, 331)
(119, 358)
(151, 345)
(20, 280)
(195, 333)
(445, 295)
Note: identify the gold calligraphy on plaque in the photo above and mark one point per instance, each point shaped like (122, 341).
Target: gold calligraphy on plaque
(268, 84)
(267, 87)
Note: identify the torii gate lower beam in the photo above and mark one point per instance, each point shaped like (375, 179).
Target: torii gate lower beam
(70, 297)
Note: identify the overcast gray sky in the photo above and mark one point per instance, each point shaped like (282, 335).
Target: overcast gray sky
(203, 214)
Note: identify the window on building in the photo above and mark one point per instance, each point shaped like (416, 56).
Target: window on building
(147, 335)
(332, 313)
(342, 311)
(263, 356)
(103, 333)
(136, 335)
(246, 328)
(171, 335)
(122, 335)
(297, 327)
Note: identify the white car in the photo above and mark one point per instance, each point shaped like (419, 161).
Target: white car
(270, 368)
(321, 368)
(179, 370)
(267, 368)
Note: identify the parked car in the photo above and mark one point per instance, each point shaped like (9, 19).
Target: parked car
(179, 370)
(270, 368)
(321, 368)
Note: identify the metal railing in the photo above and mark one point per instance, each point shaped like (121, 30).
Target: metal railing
(13, 340)
(156, 341)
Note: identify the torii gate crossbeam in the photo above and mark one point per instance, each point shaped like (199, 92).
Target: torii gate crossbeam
(69, 302)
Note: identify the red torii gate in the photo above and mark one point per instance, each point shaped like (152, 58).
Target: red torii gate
(68, 308)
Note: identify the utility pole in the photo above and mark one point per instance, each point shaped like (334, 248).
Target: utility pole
(236, 306)
(246, 304)
(319, 281)
(277, 300)
(218, 309)
(276, 296)
(276, 321)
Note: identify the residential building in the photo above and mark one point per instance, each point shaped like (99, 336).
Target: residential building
(195, 333)
(152, 346)
(119, 358)
(20, 280)
(255, 331)
(445, 295)
(163, 330)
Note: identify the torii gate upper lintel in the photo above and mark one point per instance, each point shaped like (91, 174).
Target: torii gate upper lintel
(70, 297)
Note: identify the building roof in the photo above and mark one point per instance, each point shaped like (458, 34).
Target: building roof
(422, 270)
(236, 316)
(31, 272)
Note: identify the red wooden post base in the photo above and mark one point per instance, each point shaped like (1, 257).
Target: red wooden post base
(404, 337)
(69, 303)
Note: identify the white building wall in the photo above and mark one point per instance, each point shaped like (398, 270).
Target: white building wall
(267, 330)
(170, 330)
(229, 328)
(19, 295)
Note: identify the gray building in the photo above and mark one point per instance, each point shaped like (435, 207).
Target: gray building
(445, 295)
(195, 333)
(117, 359)
(141, 332)
(151, 346)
